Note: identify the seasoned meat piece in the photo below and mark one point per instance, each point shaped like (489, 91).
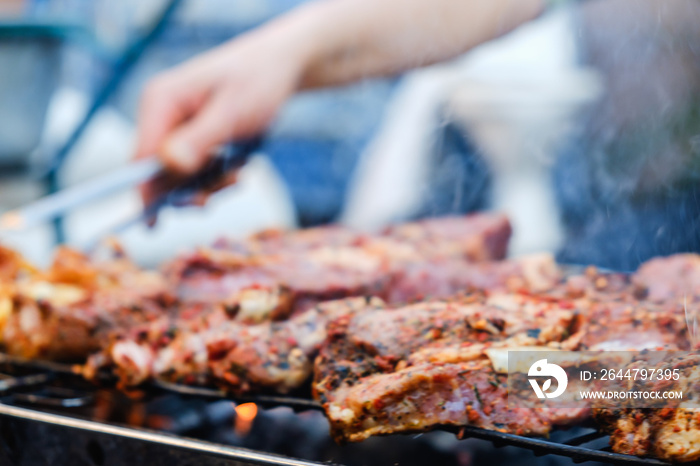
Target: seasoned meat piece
(331, 262)
(673, 278)
(619, 318)
(272, 356)
(424, 396)
(386, 371)
(593, 284)
(477, 237)
(276, 241)
(670, 433)
(619, 325)
(441, 278)
(304, 279)
(12, 265)
(420, 366)
(69, 311)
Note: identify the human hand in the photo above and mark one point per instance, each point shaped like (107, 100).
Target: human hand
(229, 93)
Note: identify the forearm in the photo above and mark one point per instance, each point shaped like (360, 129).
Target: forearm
(352, 39)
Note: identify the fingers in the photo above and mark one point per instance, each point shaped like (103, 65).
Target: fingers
(224, 117)
(168, 100)
(159, 113)
(229, 93)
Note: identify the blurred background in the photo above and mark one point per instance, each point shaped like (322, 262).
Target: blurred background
(509, 126)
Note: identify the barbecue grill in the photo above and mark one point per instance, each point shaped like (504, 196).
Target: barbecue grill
(49, 413)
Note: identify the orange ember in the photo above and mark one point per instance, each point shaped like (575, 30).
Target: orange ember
(245, 415)
(247, 411)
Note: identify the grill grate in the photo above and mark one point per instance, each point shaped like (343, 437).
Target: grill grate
(32, 385)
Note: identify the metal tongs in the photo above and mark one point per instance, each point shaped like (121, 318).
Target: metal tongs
(231, 157)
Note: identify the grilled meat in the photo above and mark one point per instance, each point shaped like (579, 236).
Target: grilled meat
(673, 278)
(69, 311)
(476, 237)
(621, 325)
(293, 282)
(446, 277)
(420, 366)
(331, 262)
(13, 265)
(671, 432)
(425, 396)
(12, 268)
(619, 317)
(271, 356)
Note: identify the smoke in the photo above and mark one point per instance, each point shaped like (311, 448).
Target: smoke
(628, 183)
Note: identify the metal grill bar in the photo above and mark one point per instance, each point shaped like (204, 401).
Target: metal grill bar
(547, 447)
(297, 404)
(586, 438)
(237, 454)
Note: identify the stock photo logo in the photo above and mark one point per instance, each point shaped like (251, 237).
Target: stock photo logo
(541, 369)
